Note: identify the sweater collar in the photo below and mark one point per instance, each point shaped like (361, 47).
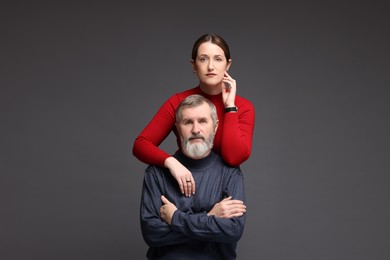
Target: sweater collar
(196, 164)
(211, 97)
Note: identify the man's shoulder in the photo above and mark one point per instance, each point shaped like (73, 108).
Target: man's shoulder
(155, 170)
(228, 168)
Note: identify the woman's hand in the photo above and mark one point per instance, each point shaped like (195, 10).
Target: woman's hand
(229, 90)
(228, 208)
(182, 175)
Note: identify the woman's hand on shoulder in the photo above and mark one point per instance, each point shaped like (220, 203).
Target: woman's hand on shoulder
(229, 90)
(182, 175)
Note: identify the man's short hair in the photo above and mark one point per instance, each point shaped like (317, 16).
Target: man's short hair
(194, 101)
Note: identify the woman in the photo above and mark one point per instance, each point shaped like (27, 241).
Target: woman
(233, 140)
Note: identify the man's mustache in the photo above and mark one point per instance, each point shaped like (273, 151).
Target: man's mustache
(196, 136)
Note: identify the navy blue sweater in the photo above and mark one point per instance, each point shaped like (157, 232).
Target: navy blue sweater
(192, 234)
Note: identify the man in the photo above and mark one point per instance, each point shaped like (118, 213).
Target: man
(208, 224)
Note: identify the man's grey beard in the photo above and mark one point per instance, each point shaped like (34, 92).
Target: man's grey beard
(197, 150)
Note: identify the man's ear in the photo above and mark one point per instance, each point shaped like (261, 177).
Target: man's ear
(216, 126)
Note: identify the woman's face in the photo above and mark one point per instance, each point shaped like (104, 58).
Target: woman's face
(210, 64)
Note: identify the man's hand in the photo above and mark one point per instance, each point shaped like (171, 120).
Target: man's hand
(182, 175)
(228, 208)
(167, 210)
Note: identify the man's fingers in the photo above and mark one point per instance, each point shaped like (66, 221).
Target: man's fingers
(235, 212)
(230, 202)
(227, 198)
(164, 200)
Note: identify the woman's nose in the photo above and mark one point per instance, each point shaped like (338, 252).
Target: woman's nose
(210, 65)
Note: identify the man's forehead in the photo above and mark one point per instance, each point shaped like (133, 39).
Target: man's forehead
(196, 117)
(201, 111)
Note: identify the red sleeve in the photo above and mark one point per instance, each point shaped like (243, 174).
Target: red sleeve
(145, 146)
(237, 134)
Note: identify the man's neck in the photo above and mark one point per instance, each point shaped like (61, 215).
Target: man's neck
(196, 163)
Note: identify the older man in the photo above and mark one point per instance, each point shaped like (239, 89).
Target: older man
(208, 224)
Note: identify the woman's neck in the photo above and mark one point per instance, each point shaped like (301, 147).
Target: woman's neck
(211, 90)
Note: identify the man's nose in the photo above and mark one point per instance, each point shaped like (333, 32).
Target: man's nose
(195, 128)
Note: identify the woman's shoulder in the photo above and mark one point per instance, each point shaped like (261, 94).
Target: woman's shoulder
(243, 102)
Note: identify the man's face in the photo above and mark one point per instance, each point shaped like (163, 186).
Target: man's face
(196, 130)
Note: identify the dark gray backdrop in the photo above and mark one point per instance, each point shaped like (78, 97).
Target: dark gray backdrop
(80, 80)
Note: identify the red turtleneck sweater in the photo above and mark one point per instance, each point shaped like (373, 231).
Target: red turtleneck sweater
(233, 140)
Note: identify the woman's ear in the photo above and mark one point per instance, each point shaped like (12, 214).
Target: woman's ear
(193, 65)
(228, 64)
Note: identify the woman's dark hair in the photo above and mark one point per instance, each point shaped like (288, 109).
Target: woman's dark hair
(213, 38)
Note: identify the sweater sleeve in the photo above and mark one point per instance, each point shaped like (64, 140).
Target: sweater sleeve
(237, 134)
(210, 228)
(155, 231)
(145, 146)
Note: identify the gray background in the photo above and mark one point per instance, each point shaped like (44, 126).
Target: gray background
(79, 81)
